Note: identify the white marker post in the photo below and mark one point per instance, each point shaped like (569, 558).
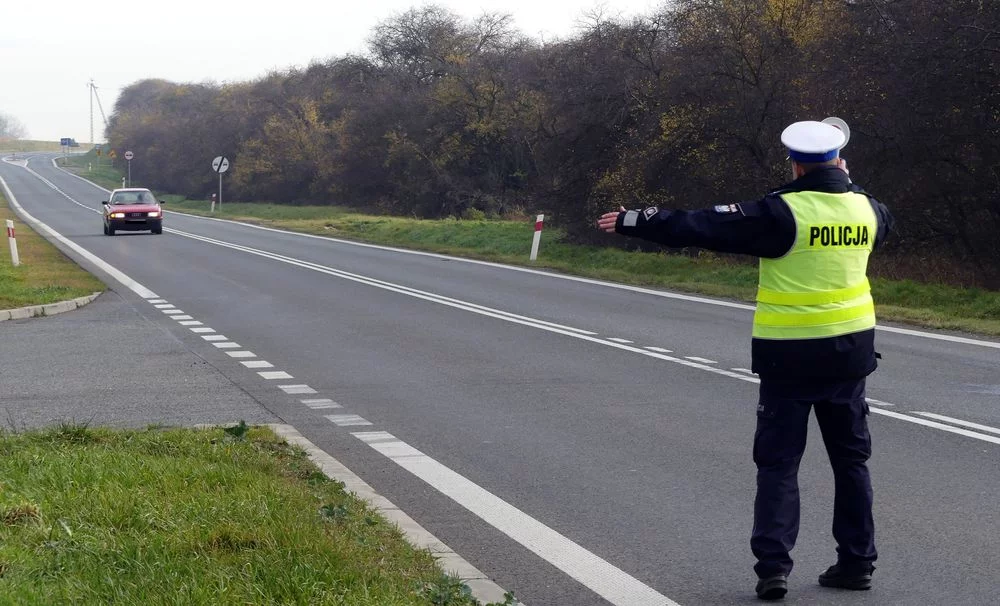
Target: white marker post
(537, 238)
(13, 243)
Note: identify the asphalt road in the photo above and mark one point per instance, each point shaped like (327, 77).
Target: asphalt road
(522, 417)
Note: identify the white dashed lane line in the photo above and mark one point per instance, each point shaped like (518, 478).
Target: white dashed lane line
(659, 349)
(296, 389)
(743, 370)
(223, 342)
(257, 364)
(619, 340)
(271, 375)
(348, 420)
(316, 403)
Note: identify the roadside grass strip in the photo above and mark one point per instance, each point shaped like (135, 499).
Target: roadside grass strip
(45, 274)
(211, 516)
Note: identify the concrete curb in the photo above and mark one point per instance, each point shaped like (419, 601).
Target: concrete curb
(50, 309)
(483, 589)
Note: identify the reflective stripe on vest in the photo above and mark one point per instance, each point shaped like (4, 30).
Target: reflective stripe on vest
(819, 288)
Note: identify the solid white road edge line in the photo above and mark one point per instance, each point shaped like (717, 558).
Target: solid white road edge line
(482, 587)
(124, 280)
(941, 426)
(516, 319)
(593, 572)
(638, 289)
(955, 421)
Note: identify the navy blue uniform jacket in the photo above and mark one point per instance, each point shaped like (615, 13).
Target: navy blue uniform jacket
(766, 228)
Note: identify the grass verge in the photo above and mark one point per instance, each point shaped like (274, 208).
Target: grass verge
(180, 516)
(929, 305)
(45, 274)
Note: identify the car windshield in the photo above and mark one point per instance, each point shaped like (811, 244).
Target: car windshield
(133, 197)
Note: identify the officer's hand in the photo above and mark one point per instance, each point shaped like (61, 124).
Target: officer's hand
(607, 221)
(842, 163)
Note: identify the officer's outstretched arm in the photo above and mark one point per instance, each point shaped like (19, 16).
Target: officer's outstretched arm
(756, 228)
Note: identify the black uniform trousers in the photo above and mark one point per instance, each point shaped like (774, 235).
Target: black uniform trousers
(780, 439)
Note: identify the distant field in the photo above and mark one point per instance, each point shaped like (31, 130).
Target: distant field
(25, 145)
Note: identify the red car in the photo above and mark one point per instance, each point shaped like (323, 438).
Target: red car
(132, 209)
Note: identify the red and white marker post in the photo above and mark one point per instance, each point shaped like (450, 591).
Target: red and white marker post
(13, 243)
(537, 238)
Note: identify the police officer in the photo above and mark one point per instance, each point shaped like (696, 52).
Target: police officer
(813, 340)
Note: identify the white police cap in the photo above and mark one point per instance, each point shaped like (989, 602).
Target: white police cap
(811, 141)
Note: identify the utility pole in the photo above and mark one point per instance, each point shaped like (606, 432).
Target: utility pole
(94, 95)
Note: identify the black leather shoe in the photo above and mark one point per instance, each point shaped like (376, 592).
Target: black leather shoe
(859, 579)
(772, 588)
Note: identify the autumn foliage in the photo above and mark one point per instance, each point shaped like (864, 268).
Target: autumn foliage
(679, 108)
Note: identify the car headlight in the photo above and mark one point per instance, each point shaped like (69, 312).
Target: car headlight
(154, 213)
(117, 215)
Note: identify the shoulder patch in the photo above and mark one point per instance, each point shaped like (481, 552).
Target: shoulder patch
(725, 209)
(650, 212)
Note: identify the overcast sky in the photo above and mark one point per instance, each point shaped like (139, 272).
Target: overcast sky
(49, 50)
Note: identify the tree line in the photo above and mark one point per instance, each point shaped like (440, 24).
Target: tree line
(679, 108)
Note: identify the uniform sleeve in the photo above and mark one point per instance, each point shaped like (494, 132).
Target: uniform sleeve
(762, 228)
(886, 222)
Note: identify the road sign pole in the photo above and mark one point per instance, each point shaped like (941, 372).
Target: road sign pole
(130, 173)
(220, 165)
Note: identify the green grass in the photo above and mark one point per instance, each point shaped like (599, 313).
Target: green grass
(45, 274)
(928, 305)
(179, 516)
(98, 169)
(26, 145)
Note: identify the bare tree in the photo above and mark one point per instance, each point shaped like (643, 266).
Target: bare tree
(11, 127)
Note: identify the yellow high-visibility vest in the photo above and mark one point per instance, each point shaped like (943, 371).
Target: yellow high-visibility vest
(819, 288)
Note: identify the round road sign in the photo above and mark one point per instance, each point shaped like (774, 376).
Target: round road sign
(129, 155)
(220, 164)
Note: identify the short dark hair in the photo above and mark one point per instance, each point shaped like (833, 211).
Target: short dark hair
(811, 166)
